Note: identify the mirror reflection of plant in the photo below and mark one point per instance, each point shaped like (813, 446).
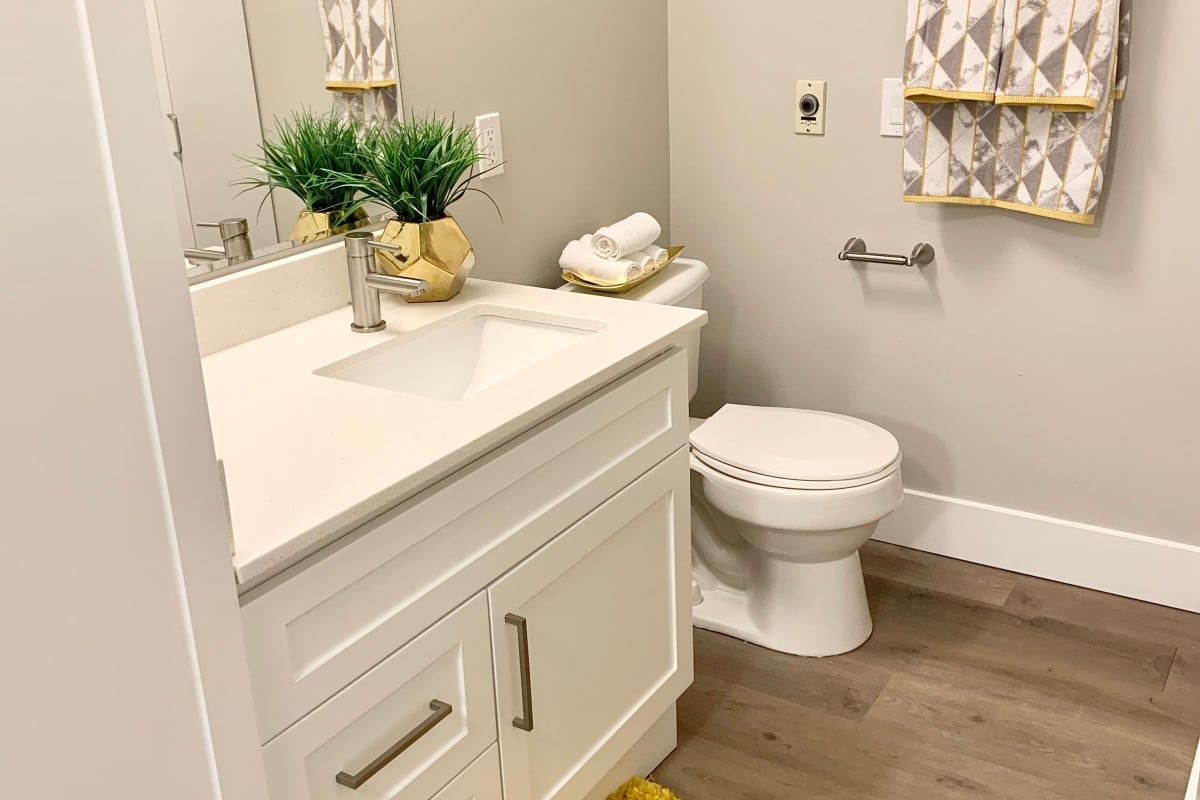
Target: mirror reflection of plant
(418, 168)
(306, 156)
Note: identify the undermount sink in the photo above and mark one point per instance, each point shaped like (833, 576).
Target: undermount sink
(461, 358)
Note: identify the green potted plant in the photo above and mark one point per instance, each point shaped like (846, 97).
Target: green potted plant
(418, 169)
(305, 157)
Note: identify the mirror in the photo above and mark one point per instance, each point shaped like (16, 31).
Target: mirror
(227, 71)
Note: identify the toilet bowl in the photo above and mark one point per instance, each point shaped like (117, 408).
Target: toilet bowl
(782, 501)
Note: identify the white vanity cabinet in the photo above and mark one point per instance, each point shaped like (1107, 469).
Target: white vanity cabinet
(546, 583)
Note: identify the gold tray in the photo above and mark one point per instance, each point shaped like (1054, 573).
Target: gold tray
(672, 254)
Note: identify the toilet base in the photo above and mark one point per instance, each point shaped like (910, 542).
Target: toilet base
(799, 608)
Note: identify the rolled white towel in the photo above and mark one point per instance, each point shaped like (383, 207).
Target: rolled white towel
(644, 260)
(578, 259)
(627, 236)
(658, 254)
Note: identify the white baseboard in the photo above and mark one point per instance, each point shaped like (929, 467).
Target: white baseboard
(1127, 564)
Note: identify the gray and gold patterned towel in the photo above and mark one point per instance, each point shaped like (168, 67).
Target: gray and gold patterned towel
(1059, 53)
(954, 50)
(1046, 158)
(361, 61)
(1033, 159)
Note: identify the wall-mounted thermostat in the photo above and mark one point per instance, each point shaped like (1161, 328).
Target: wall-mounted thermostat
(810, 107)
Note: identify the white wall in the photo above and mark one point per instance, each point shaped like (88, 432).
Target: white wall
(1037, 365)
(121, 651)
(582, 92)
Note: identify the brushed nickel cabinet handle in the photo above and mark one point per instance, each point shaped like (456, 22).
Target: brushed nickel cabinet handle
(178, 137)
(440, 712)
(525, 721)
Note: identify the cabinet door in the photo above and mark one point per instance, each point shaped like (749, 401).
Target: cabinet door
(599, 622)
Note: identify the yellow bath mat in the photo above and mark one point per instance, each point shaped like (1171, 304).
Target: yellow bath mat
(642, 789)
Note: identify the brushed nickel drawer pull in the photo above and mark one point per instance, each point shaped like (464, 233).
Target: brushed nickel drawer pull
(525, 721)
(440, 712)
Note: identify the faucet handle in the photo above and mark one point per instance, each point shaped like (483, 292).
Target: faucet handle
(359, 244)
(391, 248)
(230, 227)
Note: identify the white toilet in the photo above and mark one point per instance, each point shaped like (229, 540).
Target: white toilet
(782, 500)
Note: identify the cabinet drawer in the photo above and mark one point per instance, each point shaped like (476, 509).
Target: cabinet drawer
(314, 629)
(403, 730)
(480, 781)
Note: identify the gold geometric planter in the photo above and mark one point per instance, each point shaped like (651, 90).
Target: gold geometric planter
(438, 252)
(312, 226)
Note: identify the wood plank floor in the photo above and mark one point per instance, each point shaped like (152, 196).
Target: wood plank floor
(976, 683)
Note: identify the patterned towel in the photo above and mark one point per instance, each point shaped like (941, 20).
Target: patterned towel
(954, 49)
(361, 71)
(1033, 159)
(1038, 159)
(1059, 53)
(1124, 33)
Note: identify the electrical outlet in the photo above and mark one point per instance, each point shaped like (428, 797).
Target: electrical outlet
(490, 144)
(810, 107)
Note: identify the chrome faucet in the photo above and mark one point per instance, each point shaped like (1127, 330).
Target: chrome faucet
(235, 242)
(235, 238)
(366, 283)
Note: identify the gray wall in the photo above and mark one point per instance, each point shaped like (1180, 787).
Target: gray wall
(581, 88)
(1038, 365)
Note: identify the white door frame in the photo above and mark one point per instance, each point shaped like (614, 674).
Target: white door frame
(115, 109)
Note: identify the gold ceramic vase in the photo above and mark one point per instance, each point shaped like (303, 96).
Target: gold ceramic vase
(312, 226)
(438, 252)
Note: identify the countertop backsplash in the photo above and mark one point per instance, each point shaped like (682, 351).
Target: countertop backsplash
(262, 300)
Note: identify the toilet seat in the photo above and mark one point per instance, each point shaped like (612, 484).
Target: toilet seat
(772, 481)
(798, 511)
(791, 448)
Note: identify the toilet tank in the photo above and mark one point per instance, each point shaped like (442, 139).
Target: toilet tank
(680, 284)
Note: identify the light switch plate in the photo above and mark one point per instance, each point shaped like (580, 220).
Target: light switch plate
(810, 107)
(891, 112)
(490, 144)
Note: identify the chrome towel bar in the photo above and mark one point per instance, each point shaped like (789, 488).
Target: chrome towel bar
(856, 250)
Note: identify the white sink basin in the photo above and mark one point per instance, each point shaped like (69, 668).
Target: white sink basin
(462, 357)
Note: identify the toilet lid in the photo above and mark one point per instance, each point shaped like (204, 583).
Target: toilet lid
(796, 445)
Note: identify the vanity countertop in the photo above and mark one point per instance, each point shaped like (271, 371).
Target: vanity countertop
(309, 458)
